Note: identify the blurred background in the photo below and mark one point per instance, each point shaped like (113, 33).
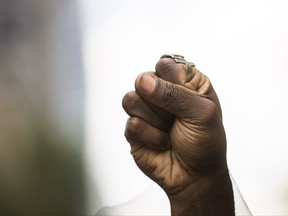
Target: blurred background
(41, 109)
(241, 45)
(65, 66)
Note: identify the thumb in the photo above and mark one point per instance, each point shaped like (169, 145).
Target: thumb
(169, 70)
(173, 98)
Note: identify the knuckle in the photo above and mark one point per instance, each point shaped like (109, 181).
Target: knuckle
(171, 71)
(133, 128)
(165, 66)
(209, 112)
(129, 101)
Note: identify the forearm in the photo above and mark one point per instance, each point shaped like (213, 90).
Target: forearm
(217, 200)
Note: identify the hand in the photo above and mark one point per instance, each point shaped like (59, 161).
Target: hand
(176, 133)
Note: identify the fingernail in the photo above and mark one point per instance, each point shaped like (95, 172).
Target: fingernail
(147, 83)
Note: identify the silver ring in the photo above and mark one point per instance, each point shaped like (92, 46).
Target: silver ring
(180, 59)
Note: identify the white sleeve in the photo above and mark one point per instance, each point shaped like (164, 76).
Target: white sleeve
(153, 201)
(241, 207)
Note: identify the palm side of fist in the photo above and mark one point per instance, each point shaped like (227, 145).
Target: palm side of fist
(175, 128)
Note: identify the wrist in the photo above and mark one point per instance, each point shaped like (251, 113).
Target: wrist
(207, 196)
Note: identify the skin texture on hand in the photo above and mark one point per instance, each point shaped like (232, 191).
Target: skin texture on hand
(177, 137)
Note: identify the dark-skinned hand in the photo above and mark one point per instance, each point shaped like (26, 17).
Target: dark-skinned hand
(177, 137)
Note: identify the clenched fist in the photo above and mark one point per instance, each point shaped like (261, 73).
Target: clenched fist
(178, 140)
